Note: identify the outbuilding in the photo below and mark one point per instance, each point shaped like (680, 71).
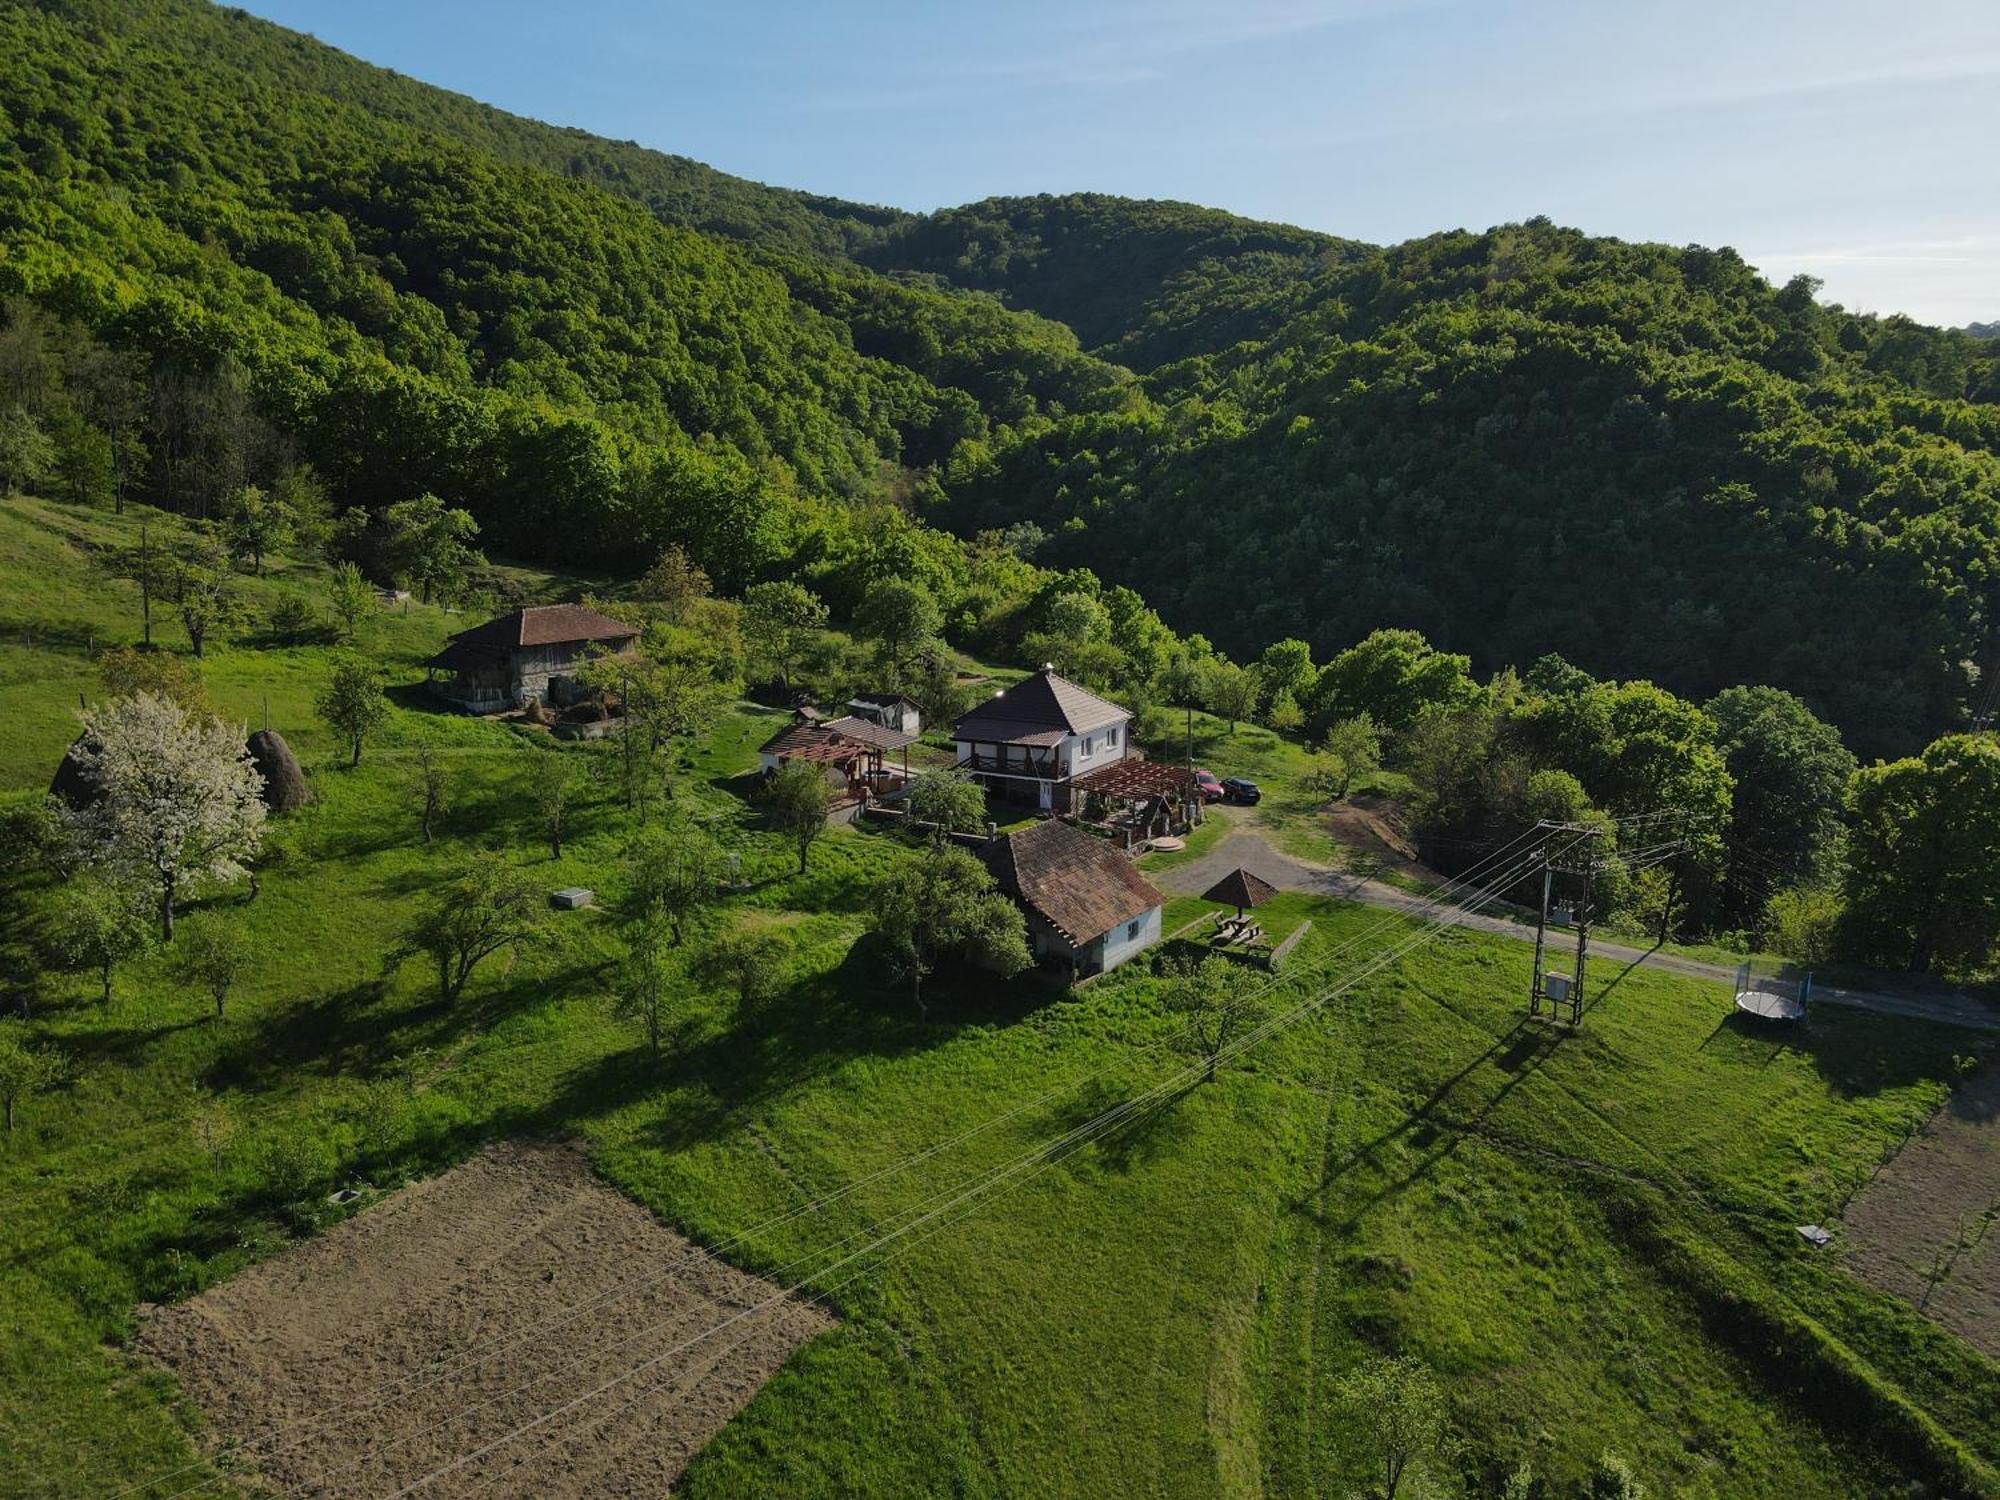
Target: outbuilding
(1088, 907)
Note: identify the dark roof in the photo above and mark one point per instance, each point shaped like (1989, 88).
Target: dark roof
(1034, 707)
(870, 733)
(537, 625)
(1239, 888)
(812, 742)
(1081, 886)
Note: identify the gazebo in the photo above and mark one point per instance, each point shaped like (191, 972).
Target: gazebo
(1240, 889)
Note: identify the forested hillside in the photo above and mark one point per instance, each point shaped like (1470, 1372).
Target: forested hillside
(1520, 441)
(410, 314)
(1530, 439)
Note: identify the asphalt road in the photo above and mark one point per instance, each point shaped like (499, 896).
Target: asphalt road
(1253, 852)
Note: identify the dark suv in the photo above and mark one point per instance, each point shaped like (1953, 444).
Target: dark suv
(1240, 789)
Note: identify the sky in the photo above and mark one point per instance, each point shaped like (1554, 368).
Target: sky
(1857, 141)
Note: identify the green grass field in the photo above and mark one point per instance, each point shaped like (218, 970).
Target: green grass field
(1589, 1235)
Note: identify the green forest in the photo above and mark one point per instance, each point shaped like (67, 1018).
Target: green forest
(1498, 507)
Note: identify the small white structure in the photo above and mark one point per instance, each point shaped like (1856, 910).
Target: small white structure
(890, 710)
(571, 897)
(1088, 908)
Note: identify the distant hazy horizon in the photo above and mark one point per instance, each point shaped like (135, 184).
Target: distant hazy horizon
(1848, 140)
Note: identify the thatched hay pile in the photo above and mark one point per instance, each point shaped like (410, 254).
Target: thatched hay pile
(285, 787)
(70, 783)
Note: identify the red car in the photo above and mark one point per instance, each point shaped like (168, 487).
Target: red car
(1206, 784)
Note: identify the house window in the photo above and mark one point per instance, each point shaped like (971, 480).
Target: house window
(1132, 930)
(1111, 738)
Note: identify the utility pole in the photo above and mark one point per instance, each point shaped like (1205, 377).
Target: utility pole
(146, 579)
(1579, 859)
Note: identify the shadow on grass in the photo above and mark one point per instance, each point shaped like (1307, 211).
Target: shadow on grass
(1520, 1052)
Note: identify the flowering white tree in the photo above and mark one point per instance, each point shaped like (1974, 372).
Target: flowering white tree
(180, 801)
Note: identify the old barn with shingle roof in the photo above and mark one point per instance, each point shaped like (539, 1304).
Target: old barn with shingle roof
(1088, 907)
(528, 655)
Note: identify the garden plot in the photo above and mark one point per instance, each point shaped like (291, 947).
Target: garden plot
(1927, 1228)
(439, 1321)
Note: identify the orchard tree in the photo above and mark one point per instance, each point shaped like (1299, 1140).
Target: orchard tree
(553, 782)
(180, 802)
(944, 902)
(211, 956)
(947, 800)
(203, 590)
(1228, 691)
(352, 599)
(1216, 1003)
(1353, 750)
(257, 523)
(127, 671)
(466, 922)
(797, 800)
(352, 704)
(1404, 1416)
(675, 585)
(643, 987)
(102, 922)
(671, 874)
(748, 961)
(24, 1070)
(430, 787)
(780, 621)
(429, 546)
(1923, 874)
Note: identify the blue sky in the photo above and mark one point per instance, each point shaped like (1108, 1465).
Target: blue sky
(1858, 140)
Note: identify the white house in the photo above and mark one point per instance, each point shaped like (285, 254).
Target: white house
(1088, 908)
(1027, 743)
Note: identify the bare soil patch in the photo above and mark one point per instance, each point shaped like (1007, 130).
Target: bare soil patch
(1377, 831)
(1927, 1228)
(443, 1318)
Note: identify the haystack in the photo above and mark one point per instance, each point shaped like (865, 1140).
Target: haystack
(285, 785)
(70, 783)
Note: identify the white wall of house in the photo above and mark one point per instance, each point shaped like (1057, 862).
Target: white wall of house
(1128, 939)
(1101, 747)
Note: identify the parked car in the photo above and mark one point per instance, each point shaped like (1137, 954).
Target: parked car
(1205, 783)
(1241, 789)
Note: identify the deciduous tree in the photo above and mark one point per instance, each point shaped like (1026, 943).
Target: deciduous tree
(947, 800)
(25, 1070)
(779, 623)
(671, 872)
(944, 902)
(352, 704)
(101, 922)
(211, 956)
(1923, 878)
(748, 961)
(486, 909)
(1404, 1416)
(180, 804)
(797, 800)
(352, 599)
(429, 546)
(552, 781)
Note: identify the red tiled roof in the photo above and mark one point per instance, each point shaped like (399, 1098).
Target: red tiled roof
(1081, 886)
(1035, 708)
(546, 625)
(869, 732)
(1134, 779)
(812, 742)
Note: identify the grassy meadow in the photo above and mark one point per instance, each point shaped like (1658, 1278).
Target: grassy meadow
(1591, 1236)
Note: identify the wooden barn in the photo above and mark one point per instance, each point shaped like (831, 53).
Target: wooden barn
(528, 656)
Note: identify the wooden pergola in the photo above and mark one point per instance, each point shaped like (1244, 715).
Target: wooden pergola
(1151, 791)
